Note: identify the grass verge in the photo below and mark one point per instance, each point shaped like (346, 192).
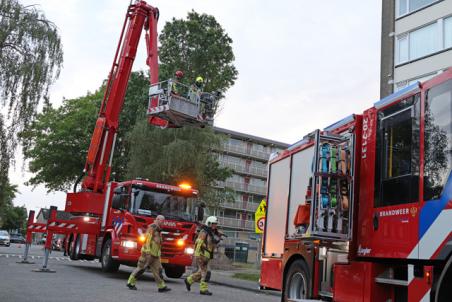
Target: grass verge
(247, 276)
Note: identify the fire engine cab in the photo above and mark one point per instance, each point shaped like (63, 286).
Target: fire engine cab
(362, 210)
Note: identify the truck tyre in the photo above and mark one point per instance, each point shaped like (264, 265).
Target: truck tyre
(174, 271)
(108, 264)
(74, 248)
(443, 292)
(297, 282)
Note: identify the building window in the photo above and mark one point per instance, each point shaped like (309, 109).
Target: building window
(402, 48)
(418, 43)
(404, 7)
(448, 32)
(423, 41)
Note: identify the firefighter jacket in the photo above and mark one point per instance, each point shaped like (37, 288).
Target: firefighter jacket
(205, 244)
(152, 243)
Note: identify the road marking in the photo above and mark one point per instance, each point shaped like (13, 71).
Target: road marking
(7, 256)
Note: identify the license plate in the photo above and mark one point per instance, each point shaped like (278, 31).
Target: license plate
(163, 260)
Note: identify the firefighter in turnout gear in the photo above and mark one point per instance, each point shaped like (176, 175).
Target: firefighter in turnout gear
(150, 256)
(204, 248)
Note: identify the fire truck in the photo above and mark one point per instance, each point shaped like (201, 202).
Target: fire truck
(362, 210)
(109, 218)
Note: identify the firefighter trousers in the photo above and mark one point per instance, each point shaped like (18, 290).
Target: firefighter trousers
(200, 274)
(145, 261)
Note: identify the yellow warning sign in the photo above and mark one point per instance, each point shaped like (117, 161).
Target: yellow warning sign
(259, 217)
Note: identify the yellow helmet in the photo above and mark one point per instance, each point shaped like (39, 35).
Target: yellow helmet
(199, 80)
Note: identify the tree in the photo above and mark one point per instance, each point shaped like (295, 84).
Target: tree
(56, 143)
(198, 46)
(5, 155)
(31, 60)
(176, 155)
(9, 213)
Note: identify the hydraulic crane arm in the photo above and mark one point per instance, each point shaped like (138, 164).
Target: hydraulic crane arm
(100, 153)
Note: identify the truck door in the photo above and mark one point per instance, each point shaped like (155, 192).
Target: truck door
(394, 216)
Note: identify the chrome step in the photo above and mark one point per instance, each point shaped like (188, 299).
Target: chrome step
(387, 277)
(390, 281)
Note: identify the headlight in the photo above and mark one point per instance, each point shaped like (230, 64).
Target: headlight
(189, 251)
(129, 244)
(180, 242)
(142, 238)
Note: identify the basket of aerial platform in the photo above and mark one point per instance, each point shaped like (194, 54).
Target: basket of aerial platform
(173, 104)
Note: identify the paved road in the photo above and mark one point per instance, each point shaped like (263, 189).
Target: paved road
(84, 281)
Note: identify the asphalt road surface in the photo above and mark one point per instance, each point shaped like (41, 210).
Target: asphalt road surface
(84, 281)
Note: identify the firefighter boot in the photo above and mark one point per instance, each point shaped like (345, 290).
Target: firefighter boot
(188, 282)
(131, 283)
(163, 288)
(203, 289)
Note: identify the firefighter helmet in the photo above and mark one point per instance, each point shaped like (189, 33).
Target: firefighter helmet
(211, 220)
(199, 80)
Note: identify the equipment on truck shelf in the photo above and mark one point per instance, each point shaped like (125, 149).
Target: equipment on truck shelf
(362, 210)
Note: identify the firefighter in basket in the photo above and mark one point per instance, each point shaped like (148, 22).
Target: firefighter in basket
(150, 256)
(207, 240)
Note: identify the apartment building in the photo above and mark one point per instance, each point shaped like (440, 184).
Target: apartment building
(416, 42)
(247, 156)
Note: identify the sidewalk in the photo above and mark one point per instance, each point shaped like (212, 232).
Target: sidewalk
(225, 278)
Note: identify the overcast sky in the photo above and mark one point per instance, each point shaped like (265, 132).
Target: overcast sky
(302, 64)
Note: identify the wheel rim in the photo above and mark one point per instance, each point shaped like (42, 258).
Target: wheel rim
(297, 286)
(106, 255)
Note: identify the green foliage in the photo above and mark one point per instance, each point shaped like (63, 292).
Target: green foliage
(198, 46)
(11, 217)
(14, 218)
(135, 105)
(57, 141)
(247, 276)
(31, 58)
(173, 156)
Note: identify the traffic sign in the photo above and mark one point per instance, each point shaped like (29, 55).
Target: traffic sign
(259, 217)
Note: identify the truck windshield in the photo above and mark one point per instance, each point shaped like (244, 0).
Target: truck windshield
(171, 206)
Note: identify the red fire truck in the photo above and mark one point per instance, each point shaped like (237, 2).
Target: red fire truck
(109, 218)
(362, 210)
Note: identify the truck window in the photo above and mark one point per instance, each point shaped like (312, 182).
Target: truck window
(397, 163)
(171, 206)
(438, 139)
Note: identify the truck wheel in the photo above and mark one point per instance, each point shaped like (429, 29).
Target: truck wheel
(74, 248)
(174, 271)
(108, 264)
(297, 282)
(443, 292)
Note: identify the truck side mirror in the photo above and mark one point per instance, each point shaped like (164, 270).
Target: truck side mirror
(200, 214)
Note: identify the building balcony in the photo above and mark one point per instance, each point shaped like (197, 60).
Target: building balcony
(241, 205)
(242, 169)
(242, 187)
(236, 223)
(243, 151)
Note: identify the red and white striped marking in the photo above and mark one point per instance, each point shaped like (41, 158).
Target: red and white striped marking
(158, 109)
(62, 225)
